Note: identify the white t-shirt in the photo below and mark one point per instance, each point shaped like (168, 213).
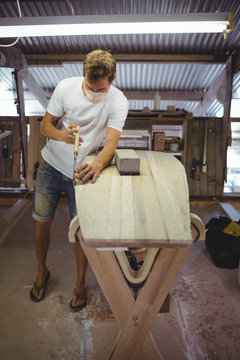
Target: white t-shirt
(69, 103)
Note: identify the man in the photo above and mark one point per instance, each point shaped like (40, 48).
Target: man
(100, 109)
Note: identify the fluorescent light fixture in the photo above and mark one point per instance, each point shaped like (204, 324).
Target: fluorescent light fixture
(116, 24)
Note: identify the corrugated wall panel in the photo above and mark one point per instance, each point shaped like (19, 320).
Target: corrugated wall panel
(236, 82)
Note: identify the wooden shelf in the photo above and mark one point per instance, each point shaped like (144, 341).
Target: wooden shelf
(140, 120)
(173, 152)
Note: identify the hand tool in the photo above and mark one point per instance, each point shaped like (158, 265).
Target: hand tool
(76, 147)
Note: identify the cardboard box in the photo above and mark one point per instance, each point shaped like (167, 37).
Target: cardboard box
(158, 140)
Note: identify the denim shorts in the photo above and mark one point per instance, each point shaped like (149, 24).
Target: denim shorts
(50, 184)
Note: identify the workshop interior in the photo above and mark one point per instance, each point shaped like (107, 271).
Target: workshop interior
(182, 129)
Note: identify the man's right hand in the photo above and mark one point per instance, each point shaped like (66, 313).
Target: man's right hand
(49, 130)
(68, 135)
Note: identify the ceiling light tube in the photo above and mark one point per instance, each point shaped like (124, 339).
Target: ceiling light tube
(114, 24)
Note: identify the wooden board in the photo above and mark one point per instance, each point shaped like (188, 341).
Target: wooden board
(230, 211)
(151, 209)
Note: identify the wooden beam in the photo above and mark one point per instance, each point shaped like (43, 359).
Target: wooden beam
(58, 59)
(22, 122)
(40, 95)
(175, 58)
(235, 119)
(210, 95)
(221, 90)
(230, 211)
(226, 98)
(236, 62)
(138, 94)
(165, 95)
(12, 58)
(25, 75)
(5, 134)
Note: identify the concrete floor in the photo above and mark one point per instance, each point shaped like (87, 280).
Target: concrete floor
(203, 324)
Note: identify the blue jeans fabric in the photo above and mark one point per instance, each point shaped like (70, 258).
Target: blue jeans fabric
(50, 184)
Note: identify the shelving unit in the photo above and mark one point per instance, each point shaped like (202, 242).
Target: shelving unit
(147, 121)
(137, 139)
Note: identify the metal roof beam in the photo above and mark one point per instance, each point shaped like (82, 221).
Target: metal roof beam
(58, 59)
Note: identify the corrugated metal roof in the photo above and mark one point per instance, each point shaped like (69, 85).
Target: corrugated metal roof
(166, 76)
(139, 76)
(236, 82)
(152, 43)
(130, 76)
(133, 76)
(213, 110)
(49, 76)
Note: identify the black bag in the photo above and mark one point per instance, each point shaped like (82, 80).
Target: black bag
(223, 248)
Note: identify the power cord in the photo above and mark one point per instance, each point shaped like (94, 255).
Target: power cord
(20, 15)
(73, 12)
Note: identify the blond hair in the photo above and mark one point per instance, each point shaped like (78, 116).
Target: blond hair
(99, 64)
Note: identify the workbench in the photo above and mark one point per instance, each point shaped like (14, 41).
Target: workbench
(149, 210)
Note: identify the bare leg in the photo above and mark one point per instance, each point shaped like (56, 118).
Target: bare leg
(42, 240)
(81, 270)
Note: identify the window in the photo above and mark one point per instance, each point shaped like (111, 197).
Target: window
(232, 184)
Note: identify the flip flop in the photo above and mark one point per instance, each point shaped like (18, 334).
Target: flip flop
(79, 297)
(39, 288)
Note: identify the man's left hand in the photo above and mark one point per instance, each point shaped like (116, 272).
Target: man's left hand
(88, 171)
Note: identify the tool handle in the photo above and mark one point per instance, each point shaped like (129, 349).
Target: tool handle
(76, 144)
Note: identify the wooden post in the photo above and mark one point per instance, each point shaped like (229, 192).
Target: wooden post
(22, 121)
(148, 303)
(227, 97)
(118, 294)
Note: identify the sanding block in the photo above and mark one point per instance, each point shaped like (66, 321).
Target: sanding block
(127, 162)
